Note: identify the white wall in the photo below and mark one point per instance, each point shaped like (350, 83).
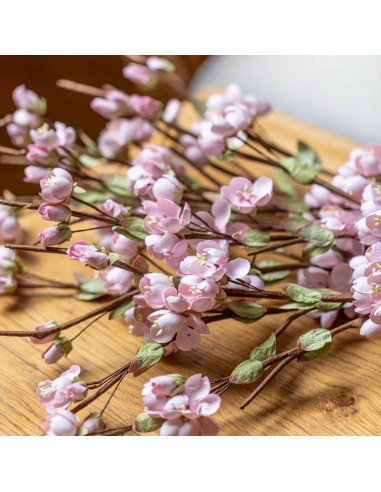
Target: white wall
(339, 93)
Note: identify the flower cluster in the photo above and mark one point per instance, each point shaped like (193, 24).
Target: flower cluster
(28, 115)
(184, 407)
(227, 118)
(57, 396)
(173, 252)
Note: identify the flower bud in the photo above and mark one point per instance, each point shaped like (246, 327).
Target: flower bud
(56, 186)
(62, 346)
(83, 251)
(34, 174)
(55, 213)
(48, 338)
(55, 235)
(61, 423)
(92, 424)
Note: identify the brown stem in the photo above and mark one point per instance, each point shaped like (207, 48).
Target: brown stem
(68, 324)
(266, 381)
(335, 190)
(289, 320)
(81, 88)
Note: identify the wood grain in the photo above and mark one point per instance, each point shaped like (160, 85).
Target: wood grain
(338, 394)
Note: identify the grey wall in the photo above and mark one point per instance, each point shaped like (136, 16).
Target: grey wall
(339, 93)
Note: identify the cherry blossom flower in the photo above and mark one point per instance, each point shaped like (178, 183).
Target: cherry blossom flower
(244, 196)
(62, 391)
(167, 325)
(61, 423)
(113, 105)
(10, 231)
(83, 251)
(187, 408)
(116, 281)
(56, 186)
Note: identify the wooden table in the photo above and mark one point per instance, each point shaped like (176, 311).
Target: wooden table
(339, 394)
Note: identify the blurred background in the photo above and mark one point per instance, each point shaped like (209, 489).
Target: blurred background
(339, 93)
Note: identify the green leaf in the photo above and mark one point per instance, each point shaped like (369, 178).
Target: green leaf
(133, 227)
(318, 235)
(300, 171)
(252, 238)
(89, 143)
(271, 276)
(94, 195)
(199, 106)
(302, 294)
(308, 155)
(248, 310)
(265, 350)
(283, 184)
(90, 161)
(89, 296)
(297, 305)
(247, 372)
(305, 166)
(195, 183)
(93, 286)
(324, 307)
(78, 190)
(64, 345)
(147, 423)
(147, 355)
(112, 258)
(315, 343)
(117, 185)
(290, 203)
(293, 222)
(118, 311)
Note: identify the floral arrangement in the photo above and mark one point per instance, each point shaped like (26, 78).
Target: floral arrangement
(177, 247)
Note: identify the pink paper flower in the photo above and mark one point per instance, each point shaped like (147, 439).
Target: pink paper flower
(55, 235)
(171, 110)
(113, 208)
(34, 174)
(93, 424)
(138, 74)
(244, 196)
(145, 106)
(113, 105)
(371, 330)
(167, 247)
(120, 132)
(62, 391)
(165, 216)
(10, 231)
(125, 247)
(233, 119)
(116, 281)
(54, 213)
(61, 423)
(48, 338)
(186, 330)
(51, 139)
(25, 98)
(152, 286)
(83, 251)
(168, 188)
(40, 155)
(187, 412)
(59, 348)
(56, 186)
